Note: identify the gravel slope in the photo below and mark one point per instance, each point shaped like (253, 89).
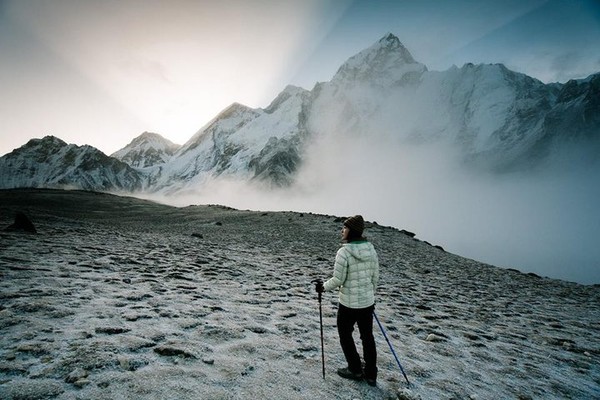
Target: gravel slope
(121, 298)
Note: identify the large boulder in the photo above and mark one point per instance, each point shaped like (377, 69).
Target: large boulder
(22, 224)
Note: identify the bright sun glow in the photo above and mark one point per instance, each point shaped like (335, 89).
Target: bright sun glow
(175, 65)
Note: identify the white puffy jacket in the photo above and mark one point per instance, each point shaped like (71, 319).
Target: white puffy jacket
(356, 273)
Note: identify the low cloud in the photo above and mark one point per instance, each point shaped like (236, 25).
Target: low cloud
(542, 222)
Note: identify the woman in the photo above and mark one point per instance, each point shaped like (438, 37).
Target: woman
(355, 273)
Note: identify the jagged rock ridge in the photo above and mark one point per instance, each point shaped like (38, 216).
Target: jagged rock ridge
(51, 163)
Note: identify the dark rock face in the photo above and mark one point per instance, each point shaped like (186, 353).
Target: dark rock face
(277, 161)
(49, 162)
(22, 224)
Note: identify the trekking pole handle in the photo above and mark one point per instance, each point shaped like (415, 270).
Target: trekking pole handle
(317, 282)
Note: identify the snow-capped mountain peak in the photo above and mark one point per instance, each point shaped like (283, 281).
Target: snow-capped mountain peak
(227, 121)
(147, 150)
(386, 61)
(50, 162)
(152, 139)
(287, 93)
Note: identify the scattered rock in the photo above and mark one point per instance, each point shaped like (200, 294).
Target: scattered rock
(432, 337)
(130, 364)
(198, 235)
(139, 296)
(407, 394)
(248, 370)
(104, 384)
(208, 361)
(109, 330)
(308, 349)
(35, 349)
(258, 329)
(407, 233)
(46, 360)
(76, 375)
(13, 368)
(124, 363)
(131, 317)
(169, 351)
(31, 389)
(81, 383)
(127, 280)
(22, 224)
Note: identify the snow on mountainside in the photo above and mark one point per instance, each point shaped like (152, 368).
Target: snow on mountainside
(495, 118)
(492, 114)
(576, 113)
(50, 162)
(242, 142)
(146, 150)
(384, 63)
(498, 119)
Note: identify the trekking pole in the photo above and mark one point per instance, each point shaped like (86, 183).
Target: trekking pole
(391, 348)
(317, 282)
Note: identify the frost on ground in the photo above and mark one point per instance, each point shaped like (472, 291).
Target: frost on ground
(120, 298)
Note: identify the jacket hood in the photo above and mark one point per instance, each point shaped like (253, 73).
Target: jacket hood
(362, 250)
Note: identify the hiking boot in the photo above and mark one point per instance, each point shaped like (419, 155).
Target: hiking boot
(371, 382)
(346, 373)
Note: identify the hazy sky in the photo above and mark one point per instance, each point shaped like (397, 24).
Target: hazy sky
(102, 72)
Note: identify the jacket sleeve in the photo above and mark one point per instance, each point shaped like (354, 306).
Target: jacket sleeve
(340, 271)
(375, 277)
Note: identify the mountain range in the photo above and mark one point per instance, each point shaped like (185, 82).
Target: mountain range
(494, 118)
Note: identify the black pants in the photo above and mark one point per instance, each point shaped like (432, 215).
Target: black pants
(346, 319)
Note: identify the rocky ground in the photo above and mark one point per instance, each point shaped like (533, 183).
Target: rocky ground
(120, 298)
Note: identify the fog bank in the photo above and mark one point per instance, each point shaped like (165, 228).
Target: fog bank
(544, 222)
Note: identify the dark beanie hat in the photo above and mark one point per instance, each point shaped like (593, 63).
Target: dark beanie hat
(356, 224)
